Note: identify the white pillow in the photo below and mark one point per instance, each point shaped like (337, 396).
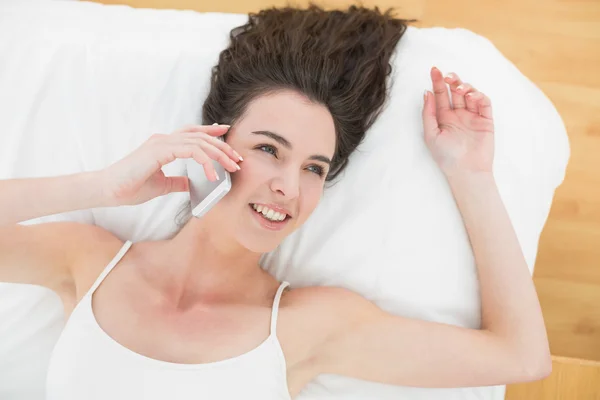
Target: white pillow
(84, 84)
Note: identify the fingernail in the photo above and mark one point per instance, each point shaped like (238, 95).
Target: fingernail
(217, 176)
(238, 167)
(425, 96)
(460, 87)
(450, 76)
(225, 126)
(215, 124)
(238, 156)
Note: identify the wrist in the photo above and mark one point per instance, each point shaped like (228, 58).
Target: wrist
(94, 184)
(468, 180)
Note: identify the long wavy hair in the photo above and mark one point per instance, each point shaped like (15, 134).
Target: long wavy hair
(339, 59)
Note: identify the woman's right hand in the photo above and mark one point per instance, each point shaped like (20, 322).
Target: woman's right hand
(138, 177)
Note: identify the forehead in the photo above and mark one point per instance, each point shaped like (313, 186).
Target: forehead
(305, 124)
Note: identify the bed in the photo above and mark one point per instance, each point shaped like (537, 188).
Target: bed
(83, 84)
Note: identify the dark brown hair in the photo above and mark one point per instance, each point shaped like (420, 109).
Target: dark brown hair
(340, 59)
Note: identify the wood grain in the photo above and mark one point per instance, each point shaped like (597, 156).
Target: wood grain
(571, 379)
(407, 9)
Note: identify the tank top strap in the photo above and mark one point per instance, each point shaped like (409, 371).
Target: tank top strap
(110, 267)
(275, 310)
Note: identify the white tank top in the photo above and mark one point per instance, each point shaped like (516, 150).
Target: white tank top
(87, 363)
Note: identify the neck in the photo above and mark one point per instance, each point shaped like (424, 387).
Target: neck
(202, 262)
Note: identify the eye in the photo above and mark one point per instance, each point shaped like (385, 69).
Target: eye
(267, 148)
(317, 170)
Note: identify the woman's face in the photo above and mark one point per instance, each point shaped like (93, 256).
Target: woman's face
(287, 143)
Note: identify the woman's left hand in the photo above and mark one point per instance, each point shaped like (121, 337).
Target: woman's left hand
(459, 134)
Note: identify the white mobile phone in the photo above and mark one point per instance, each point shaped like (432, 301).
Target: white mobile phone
(204, 194)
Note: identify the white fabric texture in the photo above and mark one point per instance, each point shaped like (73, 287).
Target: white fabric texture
(88, 364)
(84, 84)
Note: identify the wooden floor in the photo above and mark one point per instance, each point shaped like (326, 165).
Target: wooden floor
(556, 43)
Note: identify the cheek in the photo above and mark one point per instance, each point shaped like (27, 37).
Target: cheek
(252, 174)
(312, 191)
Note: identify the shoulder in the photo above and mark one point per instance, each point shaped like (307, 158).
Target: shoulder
(83, 240)
(91, 237)
(328, 299)
(90, 250)
(315, 316)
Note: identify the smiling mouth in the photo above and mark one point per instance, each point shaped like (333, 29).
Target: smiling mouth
(269, 215)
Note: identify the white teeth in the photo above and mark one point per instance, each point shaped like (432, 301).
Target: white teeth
(268, 213)
(279, 216)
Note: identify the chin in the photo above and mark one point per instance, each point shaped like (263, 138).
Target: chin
(259, 235)
(258, 244)
(252, 231)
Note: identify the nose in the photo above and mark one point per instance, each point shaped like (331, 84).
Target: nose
(286, 183)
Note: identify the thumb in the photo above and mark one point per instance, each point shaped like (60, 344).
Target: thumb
(177, 184)
(430, 123)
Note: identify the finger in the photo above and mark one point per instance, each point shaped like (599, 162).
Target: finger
(451, 78)
(210, 171)
(209, 150)
(213, 130)
(442, 100)
(221, 145)
(178, 184)
(471, 99)
(461, 91)
(219, 156)
(201, 128)
(484, 107)
(458, 99)
(195, 152)
(430, 124)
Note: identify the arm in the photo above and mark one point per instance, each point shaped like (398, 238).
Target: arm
(511, 345)
(510, 306)
(46, 254)
(41, 254)
(25, 199)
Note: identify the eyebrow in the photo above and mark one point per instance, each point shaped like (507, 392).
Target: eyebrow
(286, 143)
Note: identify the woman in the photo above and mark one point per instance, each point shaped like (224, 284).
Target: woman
(195, 316)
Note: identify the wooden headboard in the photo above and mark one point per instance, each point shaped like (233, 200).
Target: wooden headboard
(407, 9)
